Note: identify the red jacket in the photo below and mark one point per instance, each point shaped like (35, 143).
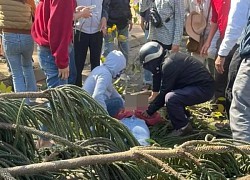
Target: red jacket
(220, 12)
(52, 27)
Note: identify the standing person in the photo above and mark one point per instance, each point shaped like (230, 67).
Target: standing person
(237, 20)
(120, 20)
(201, 10)
(54, 37)
(18, 44)
(169, 34)
(185, 82)
(144, 13)
(240, 107)
(89, 35)
(220, 11)
(99, 83)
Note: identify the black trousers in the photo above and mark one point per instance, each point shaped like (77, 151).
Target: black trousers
(83, 42)
(232, 73)
(221, 79)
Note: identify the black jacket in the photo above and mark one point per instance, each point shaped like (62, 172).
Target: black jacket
(180, 70)
(119, 13)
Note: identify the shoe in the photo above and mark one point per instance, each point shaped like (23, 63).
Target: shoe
(182, 131)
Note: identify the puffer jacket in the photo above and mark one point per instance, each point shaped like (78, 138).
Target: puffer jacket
(99, 82)
(92, 25)
(15, 15)
(119, 13)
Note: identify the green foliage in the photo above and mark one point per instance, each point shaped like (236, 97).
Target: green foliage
(4, 88)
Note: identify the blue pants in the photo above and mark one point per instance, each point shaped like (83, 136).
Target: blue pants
(122, 44)
(18, 49)
(178, 99)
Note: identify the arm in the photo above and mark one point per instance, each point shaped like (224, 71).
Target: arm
(213, 29)
(60, 33)
(237, 20)
(179, 23)
(100, 89)
(104, 20)
(168, 81)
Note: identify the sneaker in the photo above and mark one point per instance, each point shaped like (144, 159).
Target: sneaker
(182, 131)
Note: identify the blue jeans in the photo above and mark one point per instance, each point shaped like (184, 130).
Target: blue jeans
(18, 49)
(122, 44)
(47, 63)
(147, 75)
(178, 99)
(72, 67)
(114, 105)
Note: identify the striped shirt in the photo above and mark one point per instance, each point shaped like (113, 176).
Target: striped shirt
(171, 31)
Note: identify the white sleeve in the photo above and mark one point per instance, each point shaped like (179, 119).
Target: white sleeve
(237, 20)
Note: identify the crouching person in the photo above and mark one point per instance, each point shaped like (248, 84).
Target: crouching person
(183, 81)
(100, 86)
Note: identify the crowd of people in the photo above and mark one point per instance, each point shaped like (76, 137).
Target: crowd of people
(216, 65)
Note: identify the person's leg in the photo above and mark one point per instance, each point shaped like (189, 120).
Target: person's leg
(95, 47)
(232, 72)
(123, 42)
(240, 107)
(108, 43)
(48, 65)
(177, 100)
(27, 46)
(12, 43)
(114, 106)
(221, 79)
(81, 44)
(72, 66)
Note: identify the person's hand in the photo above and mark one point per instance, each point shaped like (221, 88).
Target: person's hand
(63, 73)
(153, 96)
(204, 49)
(130, 24)
(145, 114)
(82, 12)
(175, 48)
(103, 26)
(219, 64)
(79, 8)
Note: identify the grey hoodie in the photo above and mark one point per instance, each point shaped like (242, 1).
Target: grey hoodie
(99, 82)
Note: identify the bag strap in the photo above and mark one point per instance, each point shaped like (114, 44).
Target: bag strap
(207, 19)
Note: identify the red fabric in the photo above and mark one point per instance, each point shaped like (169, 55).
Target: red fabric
(220, 11)
(52, 27)
(152, 120)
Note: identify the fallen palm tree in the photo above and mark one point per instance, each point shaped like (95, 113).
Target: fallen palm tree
(92, 145)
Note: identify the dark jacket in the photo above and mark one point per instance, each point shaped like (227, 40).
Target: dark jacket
(178, 71)
(119, 13)
(245, 42)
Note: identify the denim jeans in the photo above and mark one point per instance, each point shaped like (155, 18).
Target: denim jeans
(122, 44)
(147, 75)
(72, 67)
(18, 49)
(240, 107)
(114, 105)
(47, 63)
(178, 99)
